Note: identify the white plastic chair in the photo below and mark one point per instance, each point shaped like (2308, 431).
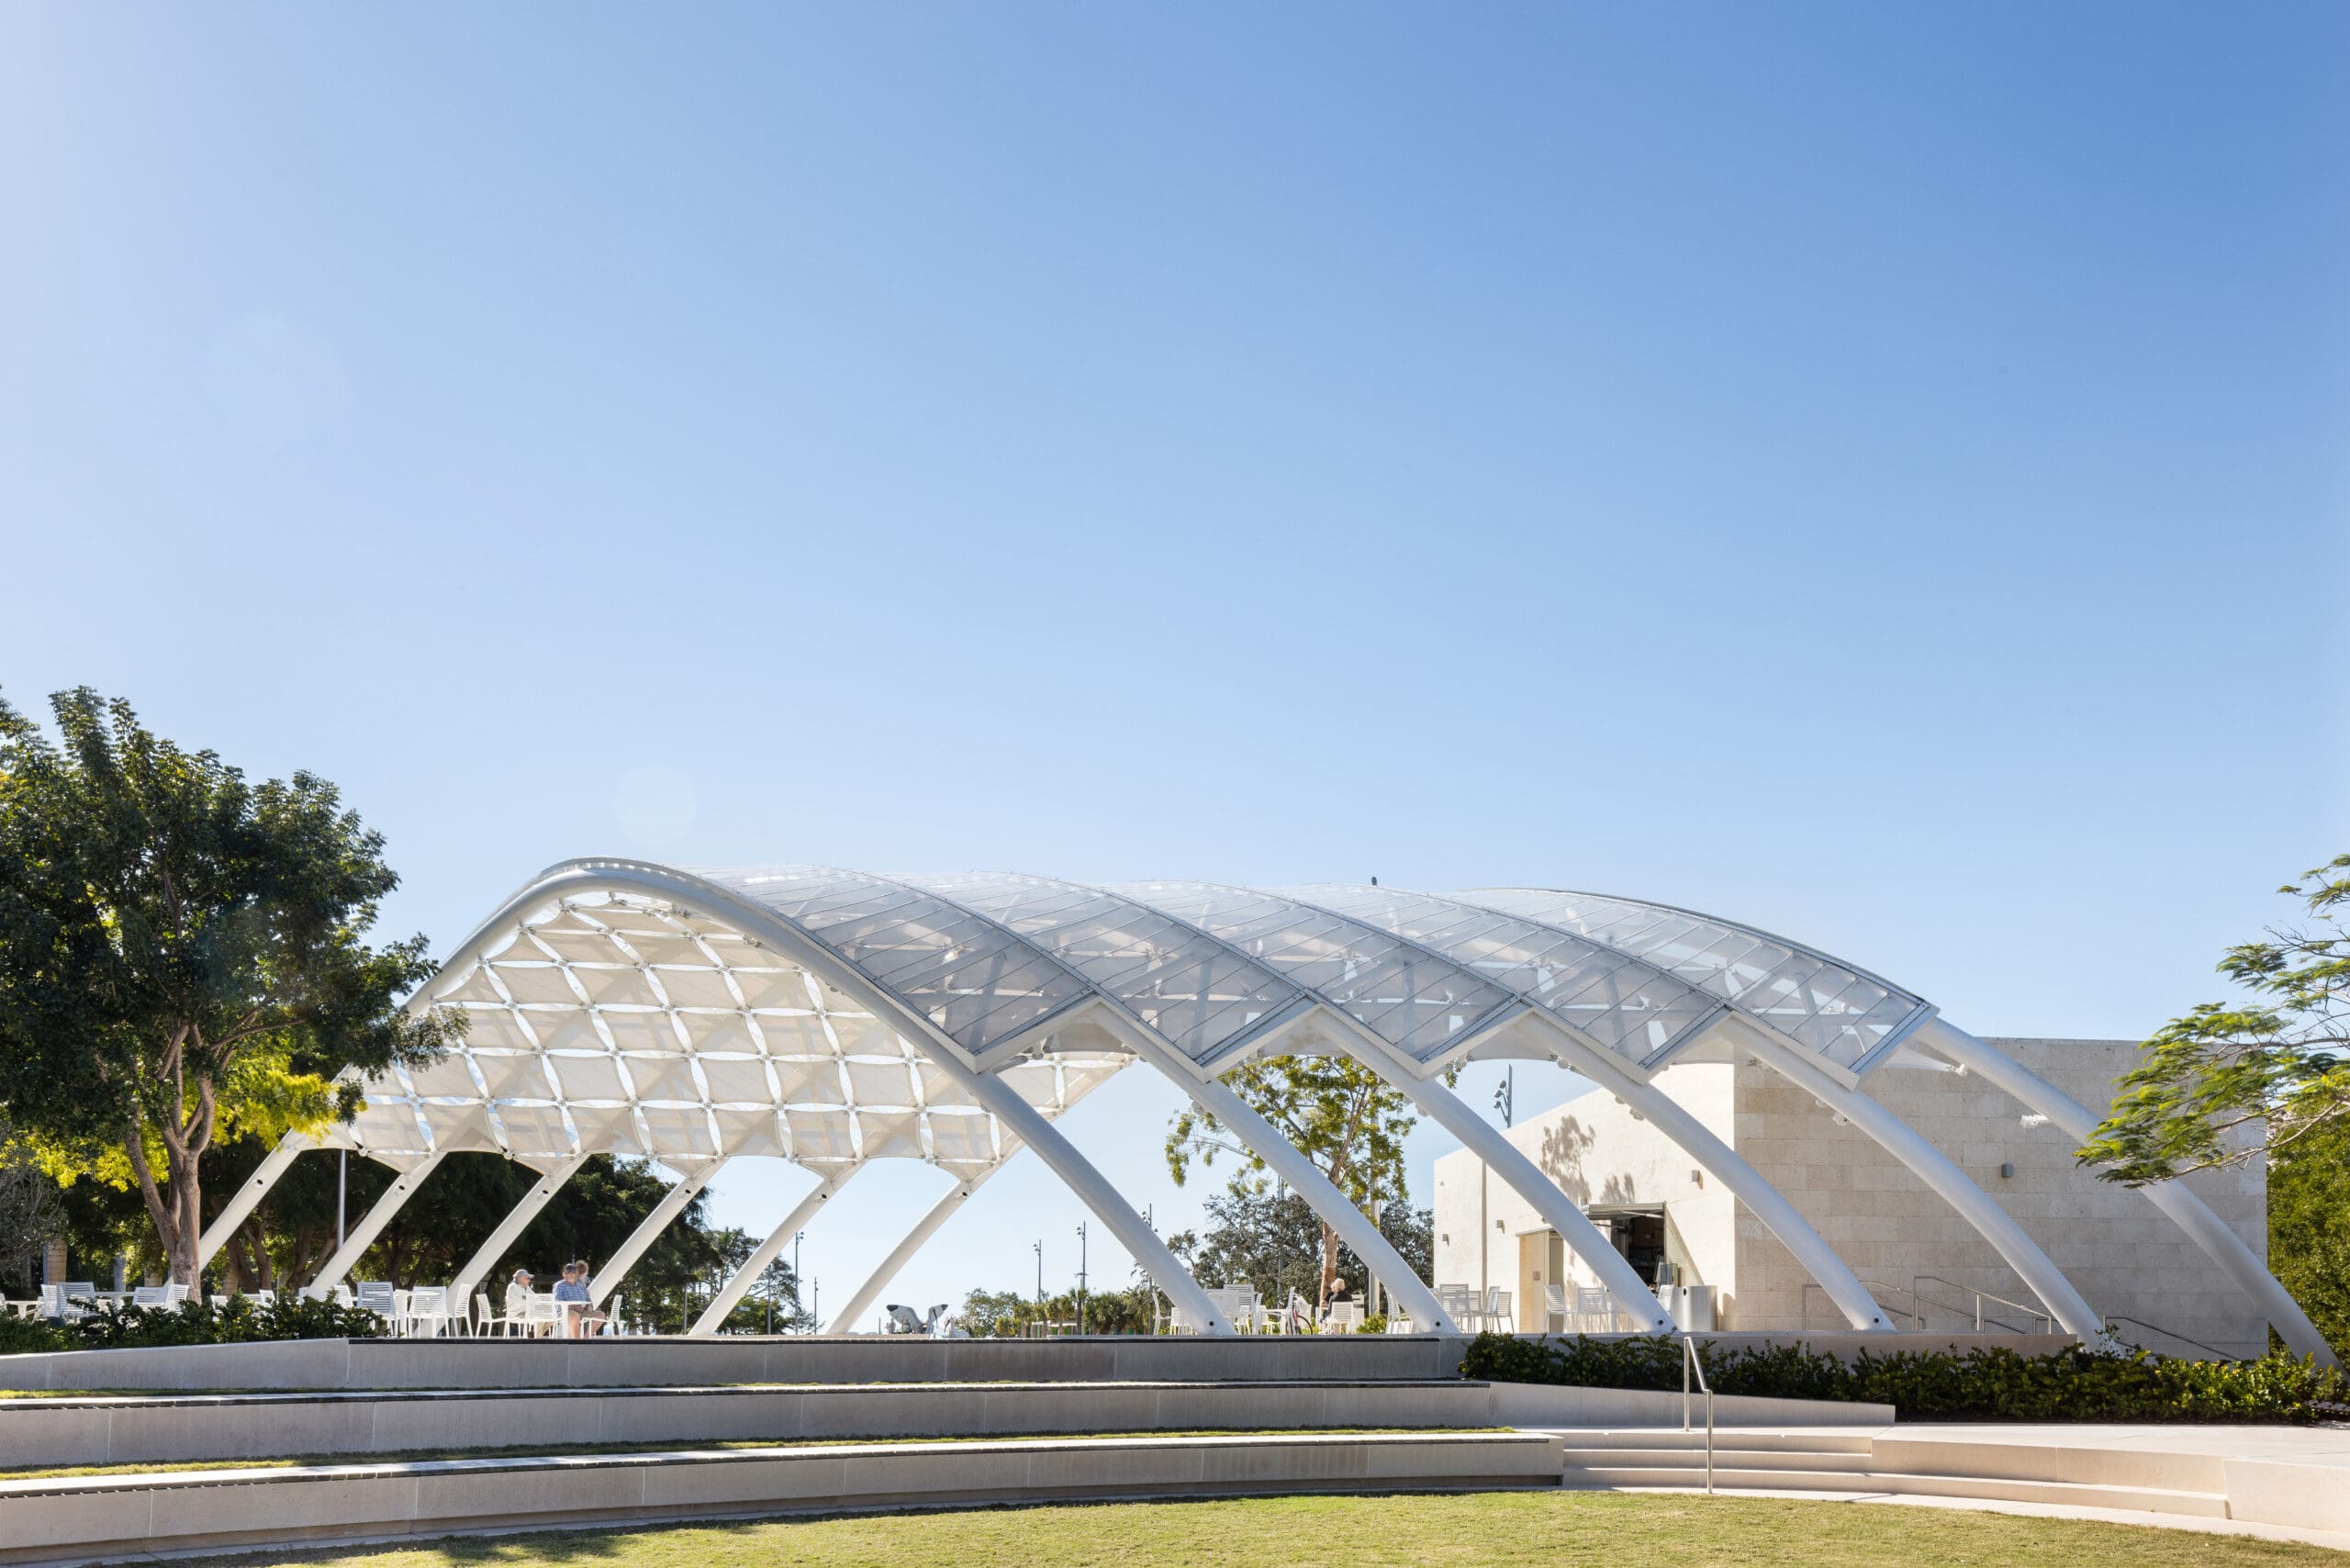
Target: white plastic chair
(426, 1312)
(151, 1296)
(545, 1315)
(378, 1297)
(1556, 1314)
(1461, 1304)
(1345, 1318)
(1594, 1312)
(1497, 1312)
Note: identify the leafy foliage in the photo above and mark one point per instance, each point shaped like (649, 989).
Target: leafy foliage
(240, 1320)
(1998, 1384)
(180, 957)
(2309, 1228)
(1338, 1113)
(1273, 1241)
(2228, 1082)
(1006, 1314)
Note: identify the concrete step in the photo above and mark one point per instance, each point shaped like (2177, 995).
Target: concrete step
(1764, 1441)
(1738, 1472)
(130, 1429)
(1738, 1458)
(75, 1519)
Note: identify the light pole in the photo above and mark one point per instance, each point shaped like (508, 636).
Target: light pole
(1040, 1270)
(1081, 1278)
(796, 1275)
(342, 1187)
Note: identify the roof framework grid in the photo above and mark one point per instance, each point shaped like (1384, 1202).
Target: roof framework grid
(831, 1017)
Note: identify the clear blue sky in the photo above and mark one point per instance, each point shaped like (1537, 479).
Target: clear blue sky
(1874, 471)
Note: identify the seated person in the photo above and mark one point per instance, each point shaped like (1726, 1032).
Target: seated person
(518, 1299)
(572, 1296)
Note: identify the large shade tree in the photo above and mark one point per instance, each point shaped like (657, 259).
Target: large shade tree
(182, 955)
(1338, 1113)
(2235, 1081)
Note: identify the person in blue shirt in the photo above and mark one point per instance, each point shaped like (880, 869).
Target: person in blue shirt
(579, 1316)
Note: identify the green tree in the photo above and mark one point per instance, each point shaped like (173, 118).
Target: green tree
(2309, 1226)
(1338, 1113)
(1272, 1241)
(2233, 1082)
(181, 956)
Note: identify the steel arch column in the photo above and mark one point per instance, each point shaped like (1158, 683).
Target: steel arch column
(249, 1197)
(844, 1321)
(2218, 1240)
(1748, 1186)
(1930, 1165)
(605, 1279)
(542, 1193)
(371, 1224)
(1329, 1204)
(1519, 1174)
(1025, 1123)
(740, 1282)
(1029, 1126)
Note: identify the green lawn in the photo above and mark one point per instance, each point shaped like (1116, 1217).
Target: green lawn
(1548, 1529)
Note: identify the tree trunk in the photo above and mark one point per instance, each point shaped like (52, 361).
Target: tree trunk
(1329, 1266)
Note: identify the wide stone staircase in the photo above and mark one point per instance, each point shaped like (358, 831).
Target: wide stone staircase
(2201, 1474)
(453, 1439)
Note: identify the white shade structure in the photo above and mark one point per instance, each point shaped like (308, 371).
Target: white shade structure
(831, 1017)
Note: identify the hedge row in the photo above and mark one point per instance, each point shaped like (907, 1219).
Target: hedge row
(239, 1320)
(2074, 1384)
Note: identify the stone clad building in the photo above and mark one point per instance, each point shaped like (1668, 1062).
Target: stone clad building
(1923, 1262)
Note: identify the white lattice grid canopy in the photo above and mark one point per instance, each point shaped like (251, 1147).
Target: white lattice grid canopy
(612, 1023)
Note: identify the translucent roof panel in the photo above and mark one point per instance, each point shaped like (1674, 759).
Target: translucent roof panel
(613, 1024)
(1196, 991)
(1841, 1013)
(1613, 999)
(974, 979)
(1415, 1000)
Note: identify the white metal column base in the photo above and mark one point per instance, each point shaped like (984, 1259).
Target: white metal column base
(248, 1197)
(607, 1278)
(2190, 1214)
(740, 1282)
(371, 1224)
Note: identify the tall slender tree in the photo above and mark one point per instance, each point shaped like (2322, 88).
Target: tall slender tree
(182, 953)
(1338, 1113)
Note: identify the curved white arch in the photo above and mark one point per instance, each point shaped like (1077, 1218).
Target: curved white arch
(1115, 1011)
(1896, 1015)
(1508, 951)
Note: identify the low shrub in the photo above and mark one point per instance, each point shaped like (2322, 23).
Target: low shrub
(239, 1320)
(2074, 1384)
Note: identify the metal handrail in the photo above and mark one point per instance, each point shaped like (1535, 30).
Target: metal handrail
(1888, 1294)
(2114, 1317)
(1980, 1297)
(1692, 1362)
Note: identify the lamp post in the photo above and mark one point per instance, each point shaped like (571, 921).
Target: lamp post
(1081, 1278)
(797, 1276)
(1040, 1270)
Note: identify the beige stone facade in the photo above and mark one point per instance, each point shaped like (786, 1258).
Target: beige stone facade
(1921, 1259)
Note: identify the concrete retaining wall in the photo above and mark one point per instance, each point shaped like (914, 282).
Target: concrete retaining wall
(669, 1363)
(124, 1430)
(75, 1520)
